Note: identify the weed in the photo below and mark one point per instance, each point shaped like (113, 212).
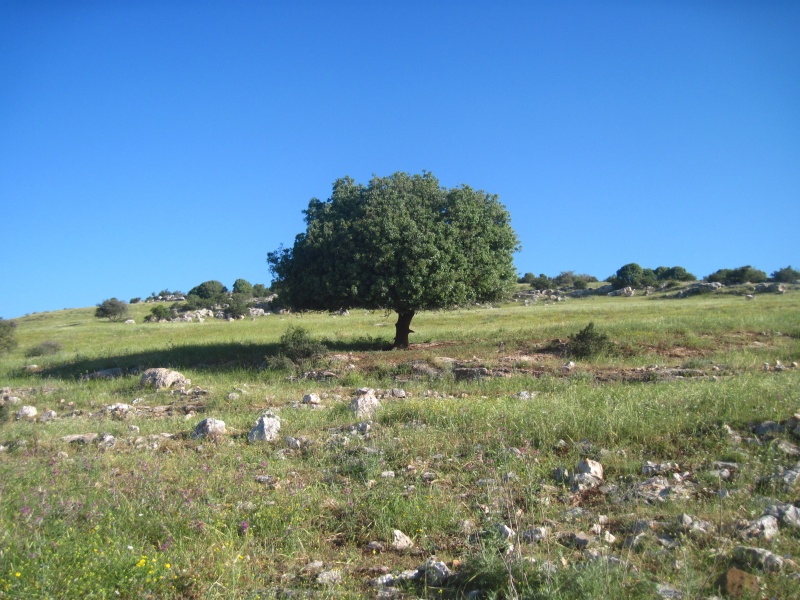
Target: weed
(588, 343)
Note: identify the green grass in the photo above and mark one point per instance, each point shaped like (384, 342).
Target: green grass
(187, 518)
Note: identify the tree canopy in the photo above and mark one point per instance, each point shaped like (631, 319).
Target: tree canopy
(112, 309)
(401, 243)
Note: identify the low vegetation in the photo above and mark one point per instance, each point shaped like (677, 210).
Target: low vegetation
(478, 421)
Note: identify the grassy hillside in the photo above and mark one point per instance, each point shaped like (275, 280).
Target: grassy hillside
(149, 515)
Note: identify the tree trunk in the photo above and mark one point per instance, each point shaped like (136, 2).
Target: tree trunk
(402, 328)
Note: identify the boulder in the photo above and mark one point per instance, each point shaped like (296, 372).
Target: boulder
(209, 428)
(365, 403)
(401, 541)
(162, 378)
(266, 428)
(26, 412)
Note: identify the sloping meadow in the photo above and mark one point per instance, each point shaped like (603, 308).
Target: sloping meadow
(482, 453)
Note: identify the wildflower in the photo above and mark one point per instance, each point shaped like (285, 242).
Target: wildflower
(17, 574)
(167, 565)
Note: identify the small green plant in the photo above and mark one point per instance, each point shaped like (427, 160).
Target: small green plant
(297, 345)
(279, 363)
(45, 348)
(160, 311)
(8, 340)
(588, 343)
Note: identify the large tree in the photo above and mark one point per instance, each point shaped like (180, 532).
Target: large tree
(401, 243)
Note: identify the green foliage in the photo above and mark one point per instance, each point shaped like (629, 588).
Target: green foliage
(209, 290)
(8, 339)
(243, 287)
(112, 309)
(527, 278)
(135, 300)
(298, 345)
(588, 343)
(786, 275)
(260, 290)
(542, 282)
(237, 305)
(401, 243)
(745, 274)
(44, 349)
(633, 275)
(629, 275)
(160, 311)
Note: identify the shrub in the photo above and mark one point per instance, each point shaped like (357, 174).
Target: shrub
(786, 275)
(237, 306)
(135, 300)
(45, 348)
(542, 282)
(297, 345)
(8, 339)
(243, 287)
(588, 343)
(527, 278)
(260, 290)
(279, 363)
(112, 309)
(209, 290)
(745, 274)
(160, 311)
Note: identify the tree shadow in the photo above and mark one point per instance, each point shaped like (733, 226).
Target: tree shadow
(211, 357)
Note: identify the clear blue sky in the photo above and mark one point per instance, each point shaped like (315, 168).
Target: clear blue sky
(148, 145)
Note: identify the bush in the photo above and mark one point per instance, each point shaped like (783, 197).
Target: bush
(243, 287)
(588, 343)
(745, 274)
(260, 290)
(786, 275)
(237, 306)
(112, 309)
(527, 278)
(160, 311)
(209, 290)
(135, 300)
(542, 282)
(45, 348)
(8, 339)
(297, 345)
(279, 363)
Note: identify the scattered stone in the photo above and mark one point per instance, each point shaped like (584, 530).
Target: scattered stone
(736, 583)
(787, 514)
(471, 373)
(789, 477)
(162, 378)
(106, 441)
(787, 448)
(658, 489)
(535, 534)
(651, 468)
(312, 399)
(209, 428)
(364, 404)
(387, 474)
(266, 428)
(80, 438)
(768, 428)
(119, 410)
(401, 541)
(578, 540)
(104, 374)
(665, 590)
(758, 557)
(376, 547)
(590, 467)
(584, 481)
(26, 412)
(398, 393)
(764, 528)
(47, 416)
(694, 527)
(435, 572)
(331, 577)
(561, 475)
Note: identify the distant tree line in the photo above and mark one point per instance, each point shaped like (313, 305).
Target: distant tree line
(208, 294)
(636, 276)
